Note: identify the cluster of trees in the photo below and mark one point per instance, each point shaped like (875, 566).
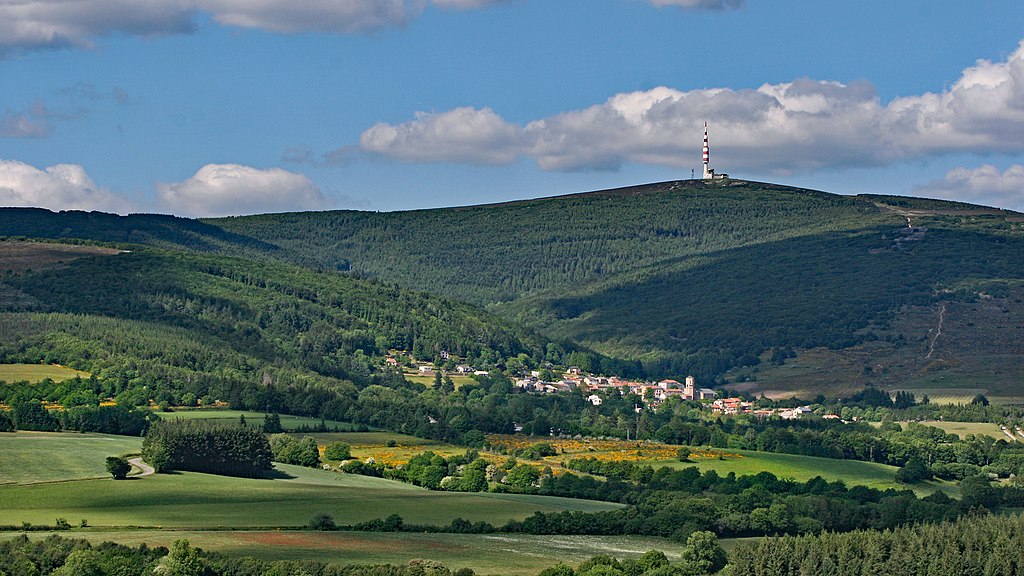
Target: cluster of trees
(978, 545)
(291, 450)
(58, 556)
(201, 446)
(32, 415)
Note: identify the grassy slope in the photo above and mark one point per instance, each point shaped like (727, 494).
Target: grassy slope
(192, 500)
(803, 468)
(47, 456)
(33, 373)
(486, 554)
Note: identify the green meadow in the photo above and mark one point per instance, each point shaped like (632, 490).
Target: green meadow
(803, 468)
(484, 553)
(192, 500)
(33, 373)
(27, 457)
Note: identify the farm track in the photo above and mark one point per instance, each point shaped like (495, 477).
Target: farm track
(146, 469)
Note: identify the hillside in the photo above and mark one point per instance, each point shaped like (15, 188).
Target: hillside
(685, 277)
(155, 325)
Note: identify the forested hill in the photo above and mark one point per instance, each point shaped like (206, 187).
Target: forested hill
(688, 276)
(226, 327)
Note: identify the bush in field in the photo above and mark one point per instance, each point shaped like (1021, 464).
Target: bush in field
(323, 522)
(207, 447)
(118, 467)
(338, 451)
(290, 450)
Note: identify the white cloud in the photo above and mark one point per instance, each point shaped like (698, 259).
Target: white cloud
(33, 24)
(60, 187)
(983, 185)
(232, 189)
(459, 135)
(43, 24)
(795, 126)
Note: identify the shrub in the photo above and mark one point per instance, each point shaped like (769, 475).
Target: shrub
(323, 522)
(338, 451)
(118, 467)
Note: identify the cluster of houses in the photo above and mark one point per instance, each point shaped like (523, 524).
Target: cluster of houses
(598, 387)
(732, 406)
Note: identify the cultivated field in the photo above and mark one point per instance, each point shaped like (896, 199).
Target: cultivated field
(27, 457)
(484, 553)
(33, 373)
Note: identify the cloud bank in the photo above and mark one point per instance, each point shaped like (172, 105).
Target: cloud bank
(233, 189)
(782, 128)
(60, 187)
(984, 185)
(48, 24)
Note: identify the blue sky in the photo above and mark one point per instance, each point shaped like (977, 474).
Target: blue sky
(218, 107)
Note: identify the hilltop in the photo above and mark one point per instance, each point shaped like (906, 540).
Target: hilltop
(681, 277)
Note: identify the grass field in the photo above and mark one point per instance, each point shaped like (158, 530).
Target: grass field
(33, 373)
(253, 418)
(428, 381)
(191, 500)
(27, 457)
(964, 428)
(803, 468)
(484, 553)
(374, 445)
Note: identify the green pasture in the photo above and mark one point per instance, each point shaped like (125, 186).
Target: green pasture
(253, 418)
(33, 373)
(962, 429)
(27, 457)
(484, 553)
(192, 500)
(803, 468)
(459, 380)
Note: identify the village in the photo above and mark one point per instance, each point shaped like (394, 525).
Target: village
(597, 388)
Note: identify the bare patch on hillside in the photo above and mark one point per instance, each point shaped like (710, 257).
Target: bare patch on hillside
(950, 351)
(20, 256)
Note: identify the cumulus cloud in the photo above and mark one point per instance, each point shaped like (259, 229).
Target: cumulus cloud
(463, 134)
(794, 126)
(983, 185)
(232, 189)
(60, 187)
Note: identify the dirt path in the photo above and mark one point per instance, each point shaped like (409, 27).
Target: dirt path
(938, 332)
(146, 468)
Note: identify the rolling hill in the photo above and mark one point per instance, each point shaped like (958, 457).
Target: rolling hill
(679, 277)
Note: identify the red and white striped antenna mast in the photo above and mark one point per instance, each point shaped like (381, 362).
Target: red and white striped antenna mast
(708, 172)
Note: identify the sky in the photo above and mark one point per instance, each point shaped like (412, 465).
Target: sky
(229, 107)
